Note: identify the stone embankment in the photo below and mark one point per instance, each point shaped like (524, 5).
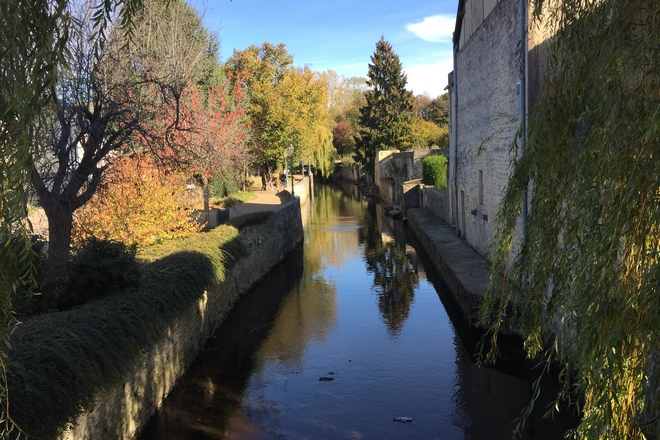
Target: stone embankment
(463, 269)
(123, 411)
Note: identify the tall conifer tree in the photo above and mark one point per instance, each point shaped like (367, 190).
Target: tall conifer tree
(387, 116)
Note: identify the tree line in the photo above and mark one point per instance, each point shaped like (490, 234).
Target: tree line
(109, 109)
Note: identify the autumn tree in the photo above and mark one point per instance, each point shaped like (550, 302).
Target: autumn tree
(345, 97)
(386, 117)
(212, 133)
(33, 53)
(266, 67)
(287, 106)
(342, 137)
(97, 110)
(426, 134)
(137, 203)
(429, 127)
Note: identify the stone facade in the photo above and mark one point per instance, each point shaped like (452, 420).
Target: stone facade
(437, 202)
(488, 117)
(395, 168)
(123, 412)
(489, 99)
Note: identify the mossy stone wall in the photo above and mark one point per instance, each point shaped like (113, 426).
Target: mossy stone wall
(122, 412)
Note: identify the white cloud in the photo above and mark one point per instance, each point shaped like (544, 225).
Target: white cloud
(429, 78)
(436, 28)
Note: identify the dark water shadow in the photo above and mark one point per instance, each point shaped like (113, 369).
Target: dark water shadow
(512, 362)
(220, 373)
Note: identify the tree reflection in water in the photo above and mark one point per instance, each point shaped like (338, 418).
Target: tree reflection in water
(395, 275)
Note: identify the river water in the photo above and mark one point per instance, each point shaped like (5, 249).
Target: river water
(352, 331)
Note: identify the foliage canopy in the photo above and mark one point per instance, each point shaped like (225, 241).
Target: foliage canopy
(586, 276)
(387, 115)
(33, 39)
(287, 106)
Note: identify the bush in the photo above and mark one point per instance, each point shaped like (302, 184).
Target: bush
(434, 172)
(141, 204)
(63, 362)
(224, 186)
(98, 269)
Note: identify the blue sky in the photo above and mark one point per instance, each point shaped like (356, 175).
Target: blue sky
(341, 35)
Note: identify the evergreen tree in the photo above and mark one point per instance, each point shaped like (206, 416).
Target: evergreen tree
(386, 118)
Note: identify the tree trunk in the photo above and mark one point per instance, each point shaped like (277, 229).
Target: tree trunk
(60, 225)
(266, 178)
(245, 179)
(206, 196)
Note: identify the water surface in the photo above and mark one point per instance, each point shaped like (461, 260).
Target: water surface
(352, 331)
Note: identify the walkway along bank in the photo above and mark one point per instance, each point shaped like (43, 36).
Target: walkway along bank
(125, 405)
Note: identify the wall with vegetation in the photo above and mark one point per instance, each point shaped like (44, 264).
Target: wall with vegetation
(129, 406)
(128, 393)
(395, 168)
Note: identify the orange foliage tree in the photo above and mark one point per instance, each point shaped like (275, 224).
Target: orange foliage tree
(139, 203)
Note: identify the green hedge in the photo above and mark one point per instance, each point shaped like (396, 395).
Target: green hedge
(63, 362)
(434, 172)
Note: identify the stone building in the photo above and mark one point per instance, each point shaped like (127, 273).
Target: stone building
(497, 72)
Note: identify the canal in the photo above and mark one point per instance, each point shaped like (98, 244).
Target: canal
(352, 331)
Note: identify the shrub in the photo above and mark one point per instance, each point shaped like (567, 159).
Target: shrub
(99, 268)
(141, 204)
(253, 218)
(63, 362)
(434, 172)
(224, 186)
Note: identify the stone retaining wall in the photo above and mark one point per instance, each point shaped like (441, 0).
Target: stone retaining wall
(436, 201)
(124, 411)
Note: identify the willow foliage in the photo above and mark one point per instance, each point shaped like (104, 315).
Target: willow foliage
(33, 38)
(586, 274)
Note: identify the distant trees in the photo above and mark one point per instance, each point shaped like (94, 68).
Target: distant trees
(433, 110)
(425, 134)
(386, 118)
(346, 96)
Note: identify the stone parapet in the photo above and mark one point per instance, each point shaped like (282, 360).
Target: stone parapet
(436, 201)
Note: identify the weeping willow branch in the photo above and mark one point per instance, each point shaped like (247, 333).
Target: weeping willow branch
(586, 275)
(33, 39)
